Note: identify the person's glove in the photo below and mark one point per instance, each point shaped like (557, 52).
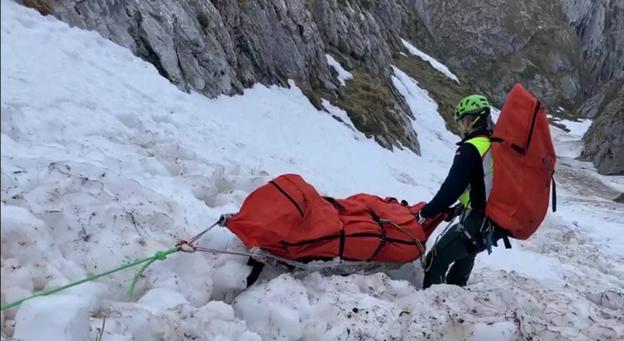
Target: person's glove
(453, 212)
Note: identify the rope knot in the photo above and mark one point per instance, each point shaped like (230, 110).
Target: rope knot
(160, 255)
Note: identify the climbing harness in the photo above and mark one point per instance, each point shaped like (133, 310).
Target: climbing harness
(427, 260)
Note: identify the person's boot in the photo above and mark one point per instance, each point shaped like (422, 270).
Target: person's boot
(459, 273)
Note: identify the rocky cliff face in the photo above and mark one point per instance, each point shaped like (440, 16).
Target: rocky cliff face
(214, 47)
(599, 26)
(604, 141)
(367, 33)
(500, 42)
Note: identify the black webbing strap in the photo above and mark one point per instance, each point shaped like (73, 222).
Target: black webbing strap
(382, 237)
(342, 243)
(499, 230)
(554, 193)
(538, 105)
(288, 197)
(334, 202)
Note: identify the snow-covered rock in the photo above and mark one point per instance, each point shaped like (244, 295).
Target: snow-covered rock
(343, 75)
(434, 63)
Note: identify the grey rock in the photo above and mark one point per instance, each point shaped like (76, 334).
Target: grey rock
(365, 36)
(275, 40)
(599, 26)
(354, 34)
(568, 53)
(367, 33)
(592, 106)
(604, 141)
(212, 47)
(601, 97)
(185, 40)
(500, 42)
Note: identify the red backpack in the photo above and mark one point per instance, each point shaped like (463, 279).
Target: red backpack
(524, 164)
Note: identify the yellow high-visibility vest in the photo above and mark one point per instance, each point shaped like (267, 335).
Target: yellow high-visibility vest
(483, 145)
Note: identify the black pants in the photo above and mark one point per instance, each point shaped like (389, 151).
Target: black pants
(457, 250)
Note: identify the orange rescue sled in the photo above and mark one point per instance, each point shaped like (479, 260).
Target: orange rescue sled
(288, 218)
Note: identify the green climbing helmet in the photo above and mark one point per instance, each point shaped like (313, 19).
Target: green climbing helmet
(472, 105)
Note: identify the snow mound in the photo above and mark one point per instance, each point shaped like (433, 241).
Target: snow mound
(59, 317)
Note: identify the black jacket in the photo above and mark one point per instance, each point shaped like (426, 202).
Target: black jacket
(467, 170)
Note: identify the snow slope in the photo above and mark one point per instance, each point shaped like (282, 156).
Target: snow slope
(104, 161)
(568, 145)
(432, 61)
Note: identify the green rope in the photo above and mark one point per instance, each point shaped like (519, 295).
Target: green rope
(159, 255)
